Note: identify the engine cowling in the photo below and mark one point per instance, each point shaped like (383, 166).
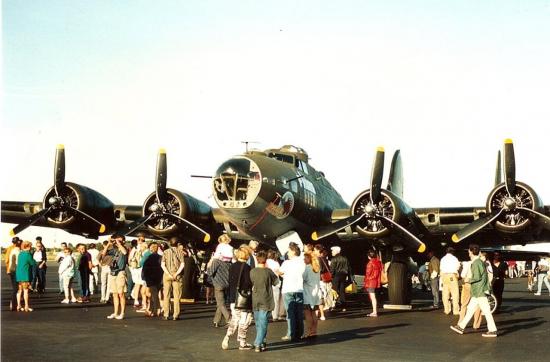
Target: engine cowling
(372, 226)
(180, 204)
(81, 198)
(513, 220)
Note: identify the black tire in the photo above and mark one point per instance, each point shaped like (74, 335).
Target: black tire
(399, 289)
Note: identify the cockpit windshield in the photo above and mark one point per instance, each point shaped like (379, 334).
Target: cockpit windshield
(282, 157)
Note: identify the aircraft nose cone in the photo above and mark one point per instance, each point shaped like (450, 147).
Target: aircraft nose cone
(237, 183)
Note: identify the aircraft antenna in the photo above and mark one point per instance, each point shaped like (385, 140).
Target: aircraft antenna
(246, 144)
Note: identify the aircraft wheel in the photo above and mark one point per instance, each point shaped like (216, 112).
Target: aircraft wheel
(399, 284)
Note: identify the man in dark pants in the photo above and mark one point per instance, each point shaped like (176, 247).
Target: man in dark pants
(434, 272)
(84, 268)
(500, 271)
(341, 275)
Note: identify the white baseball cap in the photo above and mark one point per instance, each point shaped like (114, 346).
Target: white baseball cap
(336, 249)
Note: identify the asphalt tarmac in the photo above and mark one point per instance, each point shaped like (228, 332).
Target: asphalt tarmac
(57, 332)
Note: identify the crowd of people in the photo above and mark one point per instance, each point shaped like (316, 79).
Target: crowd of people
(250, 283)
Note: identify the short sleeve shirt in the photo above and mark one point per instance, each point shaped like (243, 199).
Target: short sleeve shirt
(173, 258)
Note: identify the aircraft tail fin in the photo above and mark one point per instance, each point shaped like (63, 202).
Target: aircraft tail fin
(395, 181)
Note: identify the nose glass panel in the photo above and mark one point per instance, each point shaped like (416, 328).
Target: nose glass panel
(237, 183)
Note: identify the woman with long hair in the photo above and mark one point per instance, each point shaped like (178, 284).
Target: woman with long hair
(312, 293)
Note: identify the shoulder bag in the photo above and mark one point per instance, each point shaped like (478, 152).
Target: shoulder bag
(326, 277)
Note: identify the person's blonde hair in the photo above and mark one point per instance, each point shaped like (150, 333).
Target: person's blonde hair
(315, 265)
(224, 239)
(242, 254)
(26, 245)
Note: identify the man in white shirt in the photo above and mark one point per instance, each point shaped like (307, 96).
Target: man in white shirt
(449, 267)
(292, 272)
(94, 273)
(59, 258)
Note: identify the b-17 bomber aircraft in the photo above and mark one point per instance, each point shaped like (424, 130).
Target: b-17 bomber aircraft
(276, 196)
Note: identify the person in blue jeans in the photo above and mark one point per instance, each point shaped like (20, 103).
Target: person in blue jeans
(263, 280)
(292, 272)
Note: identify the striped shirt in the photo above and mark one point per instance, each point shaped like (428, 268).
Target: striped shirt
(172, 258)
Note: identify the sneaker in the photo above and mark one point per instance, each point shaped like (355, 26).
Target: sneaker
(537, 294)
(257, 349)
(457, 329)
(245, 347)
(141, 310)
(112, 316)
(286, 338)
(73, 300)
(65, 301)
(322, 318)
(489, 334)
(225, 342)
(120, 316)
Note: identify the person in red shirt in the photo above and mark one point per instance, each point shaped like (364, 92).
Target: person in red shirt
(372, 280)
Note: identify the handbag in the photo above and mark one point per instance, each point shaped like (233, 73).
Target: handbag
(383, 277)
(352, 288)
(244, 297)
(326, 276)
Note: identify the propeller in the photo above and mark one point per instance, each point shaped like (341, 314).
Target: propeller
(509, 167)
(498, 171)
(376, 175)
(476, 226)
(60, 201)
(372, 209)
(511, 203)
(160, 208)
(337, 226)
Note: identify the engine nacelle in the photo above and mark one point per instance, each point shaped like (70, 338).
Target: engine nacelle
(514, 220)
(390, 206)
(82, 198)
(180, 204)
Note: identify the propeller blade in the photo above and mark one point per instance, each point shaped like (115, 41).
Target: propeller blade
(206, 235)
(135, 225)
(59, 171)
(30, 221)
(395, 181)
(410, 237)
(335, 227)
(475, 226)
(376, 175)
(542, 219)
(160, 189)
(509, 167)
(88, 218)
(498, 172)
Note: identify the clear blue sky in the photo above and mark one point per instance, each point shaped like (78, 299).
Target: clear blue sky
(444, 81)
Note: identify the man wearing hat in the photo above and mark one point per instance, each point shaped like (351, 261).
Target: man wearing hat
(341, 275)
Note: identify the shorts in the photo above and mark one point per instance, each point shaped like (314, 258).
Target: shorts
(371, 290)
(118, 283)
(24, 285)
(311, 307)
(136, 276)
